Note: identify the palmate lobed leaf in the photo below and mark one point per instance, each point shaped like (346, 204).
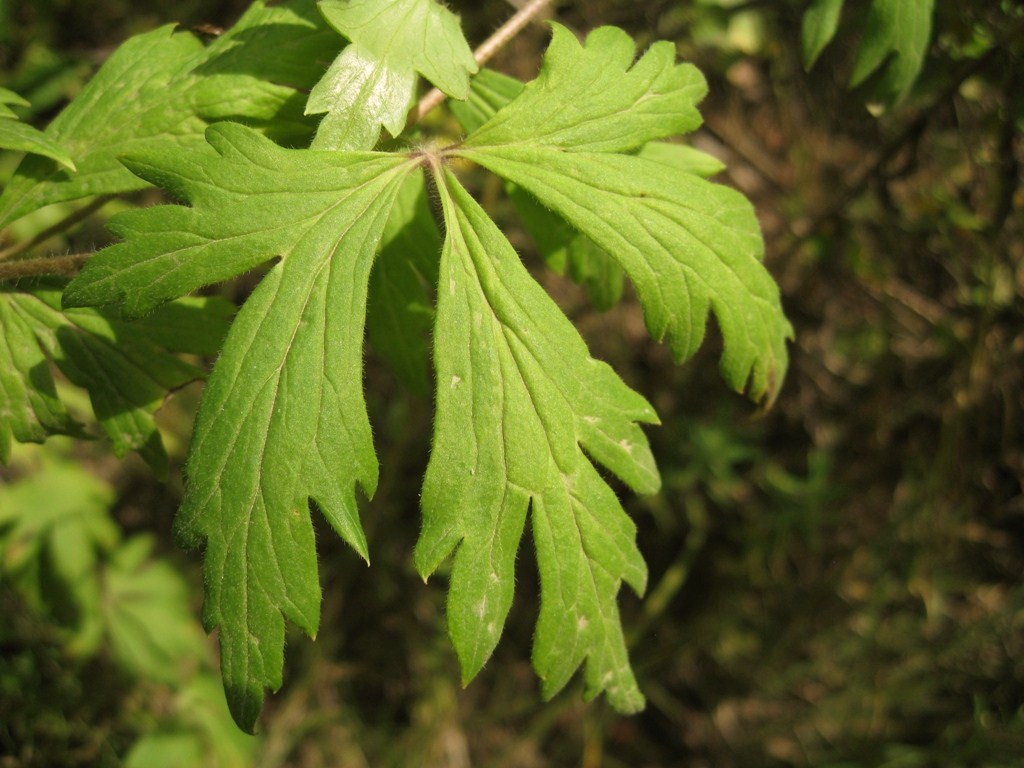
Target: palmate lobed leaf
(523, 412)
(283, 418)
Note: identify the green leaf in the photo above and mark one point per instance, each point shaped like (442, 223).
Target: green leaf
(24, 138)
(126, 368)
(148, 616)
(599, 98)
(161, 88)
(8, 96)
(561, 246)
(690, 247)
(201, 733)
(54, 527)
(897, 31)
(29, 407)
(518, 400)
(283, 417)
(400, 314)
(820, 24)
(681, 157)
(373, 82)
(489, 92)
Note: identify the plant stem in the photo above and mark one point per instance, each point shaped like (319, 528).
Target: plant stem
(53, 265)
(64, 224)
(487, 49)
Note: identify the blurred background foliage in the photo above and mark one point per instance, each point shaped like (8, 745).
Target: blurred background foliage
(837, 583)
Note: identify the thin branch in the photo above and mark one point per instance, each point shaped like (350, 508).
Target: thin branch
(55, 265)
(486, 51)
(61, 226)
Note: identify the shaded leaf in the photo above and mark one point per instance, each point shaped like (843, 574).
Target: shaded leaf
(54, 530)
(820, 24)
(897, 32)
(400, 314)
(127, 369)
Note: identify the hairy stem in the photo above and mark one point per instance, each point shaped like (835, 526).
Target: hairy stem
(487, 49)
(54, 265)
(61, 226)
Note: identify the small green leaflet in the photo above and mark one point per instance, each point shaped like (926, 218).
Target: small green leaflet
(688, 245)
(161, 88)
(894, 45)
(24, 138)
(373, 82)
(127, 368)
(518, 400)
(283, 417)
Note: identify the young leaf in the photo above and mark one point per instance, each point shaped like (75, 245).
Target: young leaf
(161, 88)
(283, 417)
(689, 246)
(900, 29)
(126, 368)
(518, 400)
(820, 23)
(373, 81)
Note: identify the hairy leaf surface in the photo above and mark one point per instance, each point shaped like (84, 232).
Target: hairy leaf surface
(373, 81)
(690, 247)
(518, 400)
(283, 417)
